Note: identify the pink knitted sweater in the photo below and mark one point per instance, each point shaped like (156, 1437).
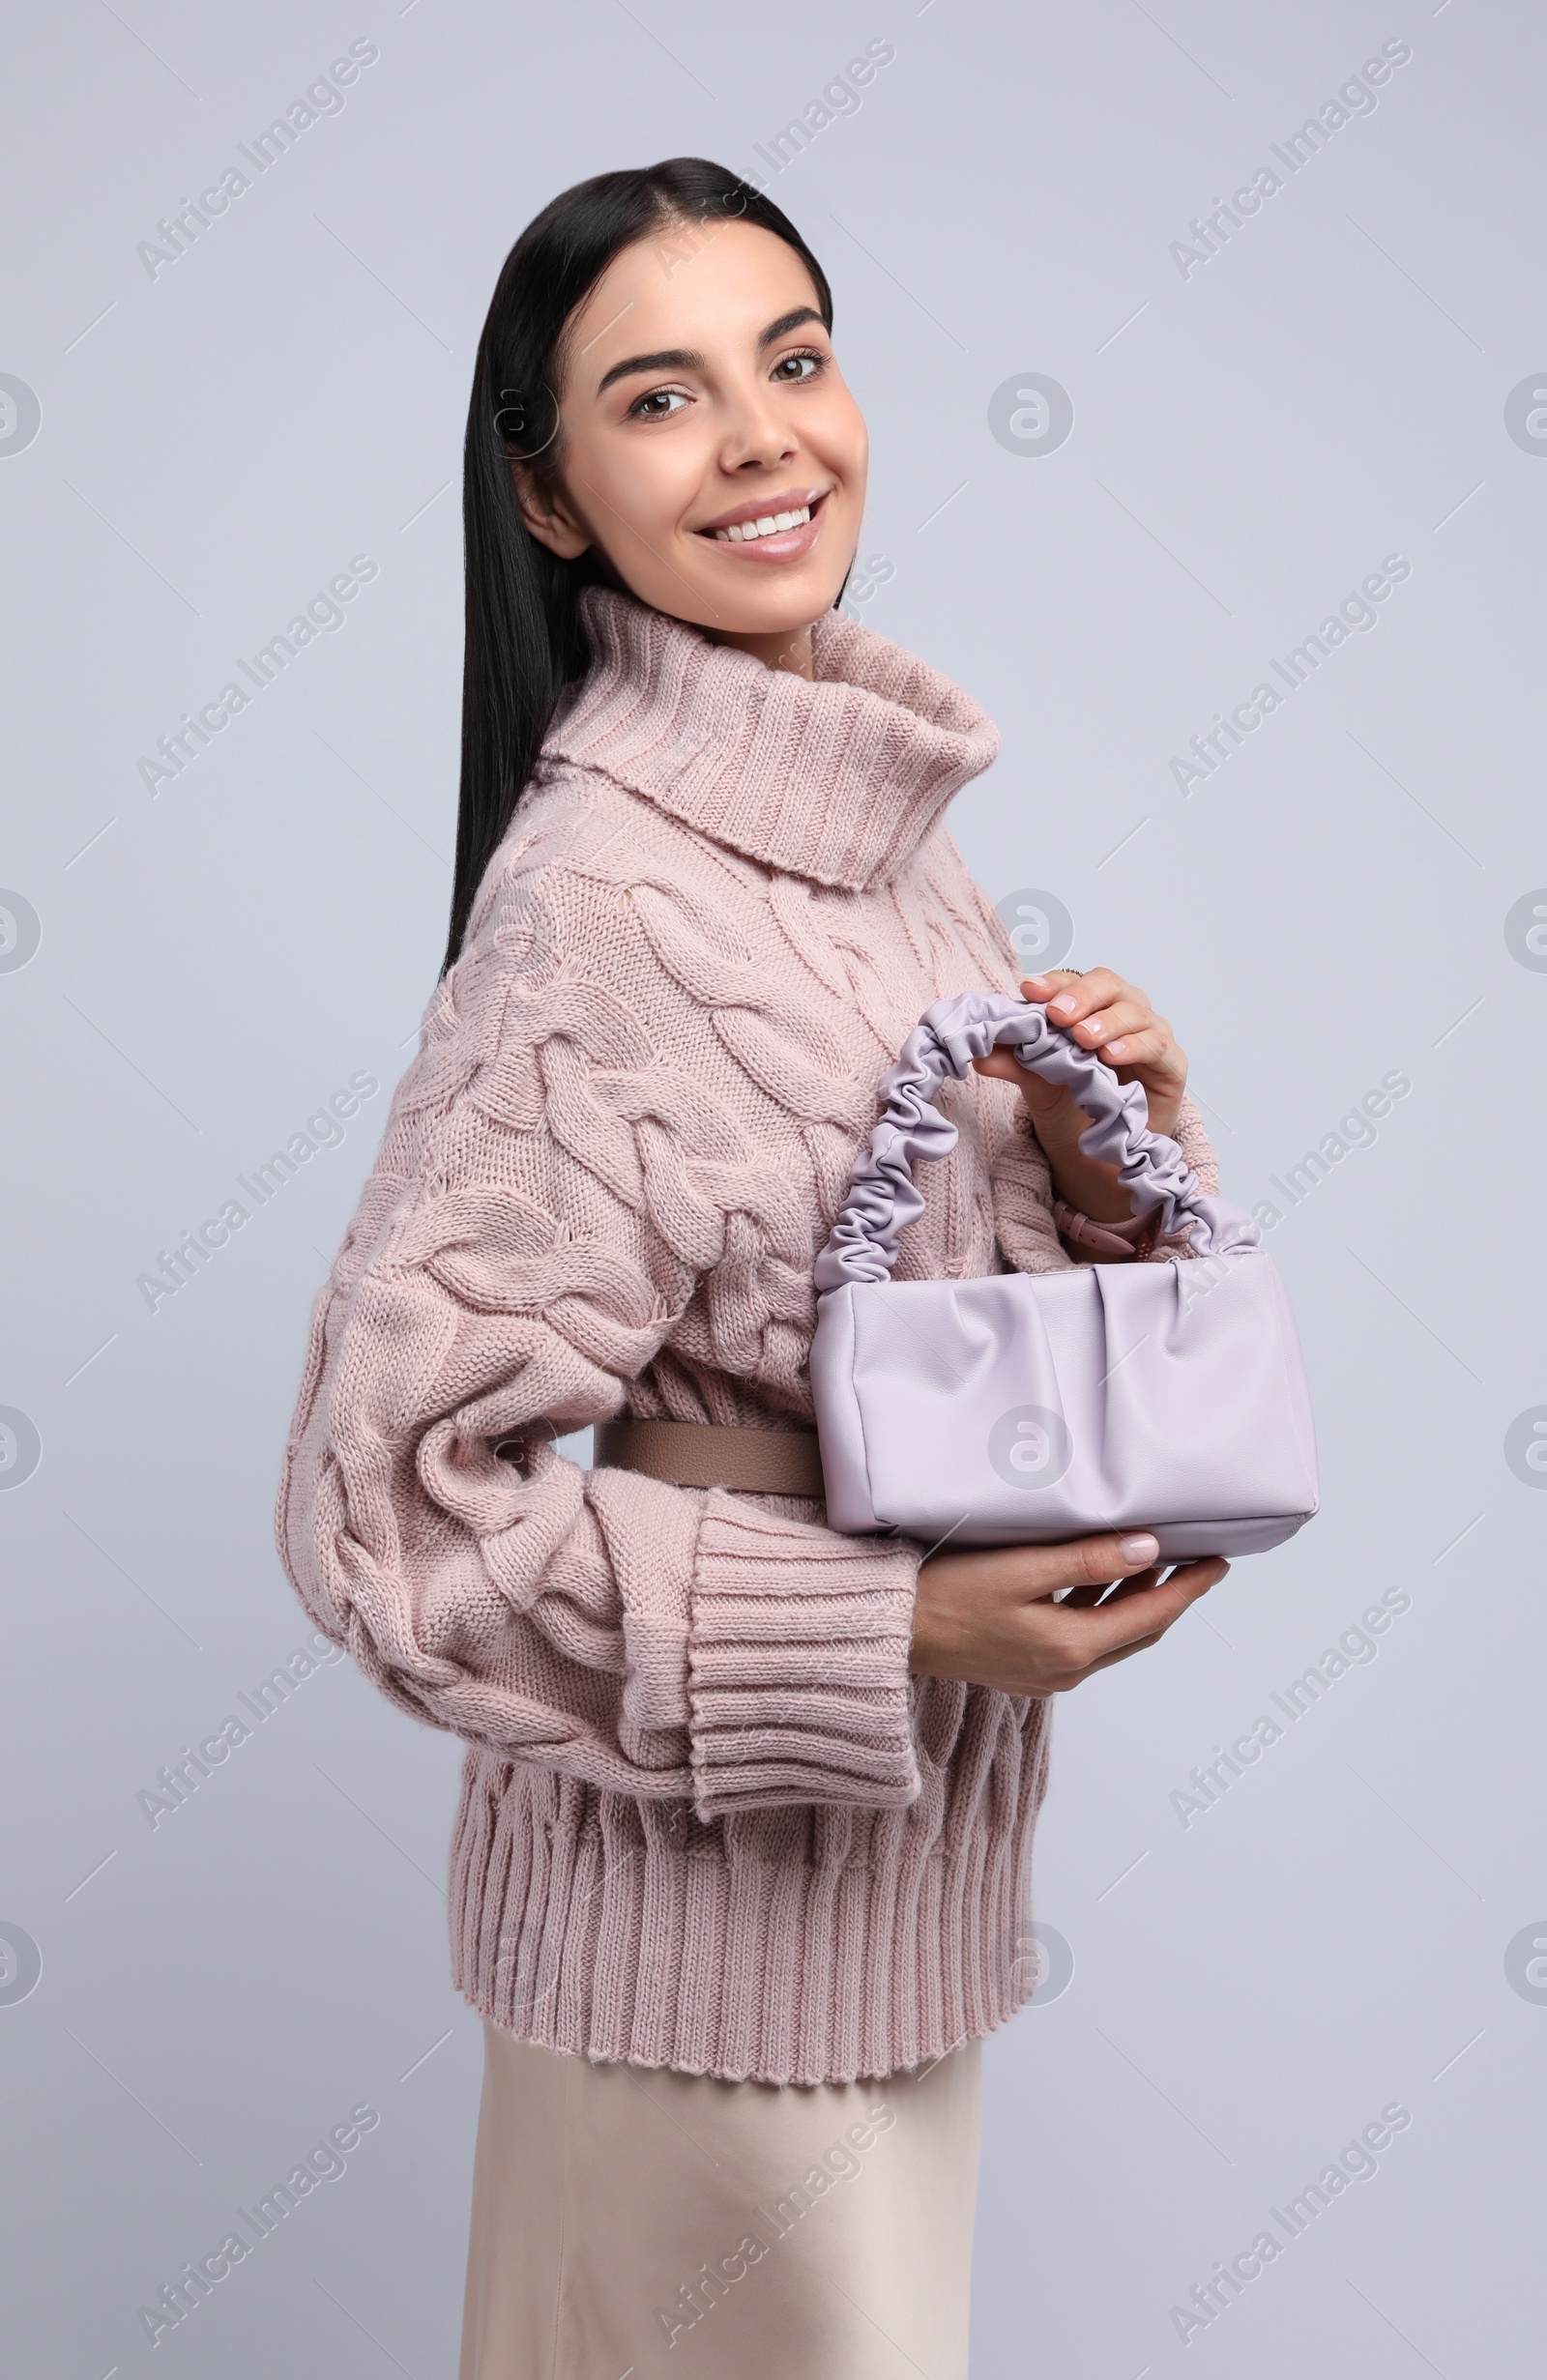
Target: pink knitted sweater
(708, 1820)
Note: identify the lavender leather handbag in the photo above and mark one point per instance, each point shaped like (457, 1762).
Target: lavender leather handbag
(1025, 1408)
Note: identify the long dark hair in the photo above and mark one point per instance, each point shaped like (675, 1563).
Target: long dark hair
(525, 639)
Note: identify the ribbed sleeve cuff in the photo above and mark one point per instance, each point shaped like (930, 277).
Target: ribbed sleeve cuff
(797, 1664)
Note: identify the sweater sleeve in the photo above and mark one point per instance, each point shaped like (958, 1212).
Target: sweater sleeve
(511, 1266)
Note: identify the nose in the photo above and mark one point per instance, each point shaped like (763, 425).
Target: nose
(758, 434)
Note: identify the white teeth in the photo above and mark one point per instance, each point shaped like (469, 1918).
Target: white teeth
(767, 525)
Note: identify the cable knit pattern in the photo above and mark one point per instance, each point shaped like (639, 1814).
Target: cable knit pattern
(708, 1820)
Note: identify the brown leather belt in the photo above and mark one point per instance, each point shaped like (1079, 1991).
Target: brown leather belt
(700, 1454)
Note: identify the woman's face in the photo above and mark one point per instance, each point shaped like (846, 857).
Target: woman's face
(700, 397)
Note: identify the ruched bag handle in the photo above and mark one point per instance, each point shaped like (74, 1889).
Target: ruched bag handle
(883, 1201)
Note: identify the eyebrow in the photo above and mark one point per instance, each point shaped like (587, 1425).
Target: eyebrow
(667, 359)
(689, 359)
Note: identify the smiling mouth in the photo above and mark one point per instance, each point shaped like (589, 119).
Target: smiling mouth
(778, 521)
(766, 525)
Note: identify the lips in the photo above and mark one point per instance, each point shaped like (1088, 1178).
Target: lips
(773, 528)
(766, 525)
(766, 516)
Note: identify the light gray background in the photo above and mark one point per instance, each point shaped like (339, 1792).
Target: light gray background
(1249, 441)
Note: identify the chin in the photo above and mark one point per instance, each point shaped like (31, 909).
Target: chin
(777, 611)
(777, 620)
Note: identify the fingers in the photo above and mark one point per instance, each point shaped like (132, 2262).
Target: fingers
(1074, 1000)
(1103, 1012)
(1128, 1033)
(1142, 1613)
(1125, 1653)
(1001, 1062)
(1135, 1617)
(1087, 1598)
(984, 1615)
(1076, 997)
(1089, 1562)
(1112, 1019)
(1145, 1048)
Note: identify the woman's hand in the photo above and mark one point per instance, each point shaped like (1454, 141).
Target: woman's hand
(987, 1616)
(1100, 1012)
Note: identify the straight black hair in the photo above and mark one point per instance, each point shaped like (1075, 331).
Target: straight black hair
(525, 639)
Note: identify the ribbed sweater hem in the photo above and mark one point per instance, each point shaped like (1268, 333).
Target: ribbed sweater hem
(601, 1926)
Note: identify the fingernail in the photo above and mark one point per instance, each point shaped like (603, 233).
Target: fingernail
(1140, 1550)
(1033, 983)
(1064, 1001)
(1114, 1049)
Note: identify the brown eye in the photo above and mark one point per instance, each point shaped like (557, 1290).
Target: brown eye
(659, 406)
(793, 369)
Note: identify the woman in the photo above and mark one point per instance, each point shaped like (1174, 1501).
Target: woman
(739, 1870)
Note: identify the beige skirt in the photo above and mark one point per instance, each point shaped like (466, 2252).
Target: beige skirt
(635, 2220)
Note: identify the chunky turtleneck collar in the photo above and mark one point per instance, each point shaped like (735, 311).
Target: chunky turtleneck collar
(838, 780)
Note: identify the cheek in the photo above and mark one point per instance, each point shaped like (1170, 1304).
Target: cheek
(636, 488)
(634, 494)
(835, 430)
